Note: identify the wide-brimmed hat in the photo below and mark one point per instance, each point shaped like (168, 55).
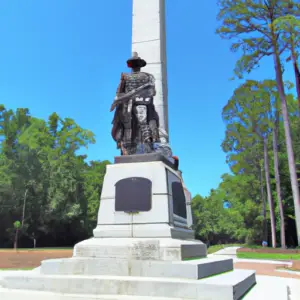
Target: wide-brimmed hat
(139, 62)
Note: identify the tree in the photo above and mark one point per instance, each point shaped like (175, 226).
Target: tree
(44, 182)
(214, 224)
(17, 226)
(93, 182)
(289, 27)
(269, 90)
(242, 222)
(248, 114)
(251, 24)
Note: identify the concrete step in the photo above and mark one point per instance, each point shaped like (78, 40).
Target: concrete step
(193, 269)
(9, 294)
(228, 286)
(168, 249)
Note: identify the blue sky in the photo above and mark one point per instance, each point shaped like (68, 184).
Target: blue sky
(66, 56)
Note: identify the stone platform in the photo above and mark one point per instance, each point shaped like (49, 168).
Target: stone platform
(228, 286)
(142, 248)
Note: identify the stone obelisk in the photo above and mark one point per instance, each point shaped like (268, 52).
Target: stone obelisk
(149, 41)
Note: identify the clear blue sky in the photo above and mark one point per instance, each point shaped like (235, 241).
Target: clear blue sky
(66, 56)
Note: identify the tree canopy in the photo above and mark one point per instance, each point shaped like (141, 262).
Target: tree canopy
(44, 183)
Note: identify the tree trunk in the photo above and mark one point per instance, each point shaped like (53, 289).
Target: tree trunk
(16, 239)
(263, 199)
(297, 73)
(24, 206)
(278, 185)
(288, 138)
(269, 193)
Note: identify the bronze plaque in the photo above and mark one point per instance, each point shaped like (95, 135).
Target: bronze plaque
(133, 194)
(179, 204)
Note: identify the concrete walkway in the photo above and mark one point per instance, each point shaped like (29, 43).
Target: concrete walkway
(274, 288)
(229, 251)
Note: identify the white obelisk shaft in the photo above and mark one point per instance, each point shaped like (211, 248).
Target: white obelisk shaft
(149, 41)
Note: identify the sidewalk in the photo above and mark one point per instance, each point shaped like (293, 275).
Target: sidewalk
(262, 267)
(229, 251)
(274, 288)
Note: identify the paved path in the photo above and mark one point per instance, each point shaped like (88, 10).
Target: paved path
(274, 288)
(266, 269)
(262, 267)
(229, 251)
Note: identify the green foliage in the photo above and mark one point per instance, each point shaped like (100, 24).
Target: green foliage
(289, 27)
(250, 115)
(250, 25)
(40, 167)
(258, 113)
(240, 223)
(17, 224)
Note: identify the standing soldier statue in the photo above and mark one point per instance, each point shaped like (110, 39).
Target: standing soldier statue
(135, 123)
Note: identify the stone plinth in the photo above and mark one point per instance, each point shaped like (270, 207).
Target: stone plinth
(151, 197)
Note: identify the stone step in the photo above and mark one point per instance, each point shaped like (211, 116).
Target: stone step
(167, 249)
(228, 286)
(192, 269)
(10, 294)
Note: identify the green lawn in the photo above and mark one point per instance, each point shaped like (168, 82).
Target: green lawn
(271, 256)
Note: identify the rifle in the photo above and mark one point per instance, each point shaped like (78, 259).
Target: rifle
(121, 97)
(121, 86)
(120, 89)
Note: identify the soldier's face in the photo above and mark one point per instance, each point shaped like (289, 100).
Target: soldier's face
(135, 66)
(141, 113)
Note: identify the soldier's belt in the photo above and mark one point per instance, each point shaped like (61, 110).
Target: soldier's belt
(123, 98)
(142, 100)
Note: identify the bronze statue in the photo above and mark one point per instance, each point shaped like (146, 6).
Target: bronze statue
(135, 122)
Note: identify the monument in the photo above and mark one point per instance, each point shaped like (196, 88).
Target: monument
(143, 246)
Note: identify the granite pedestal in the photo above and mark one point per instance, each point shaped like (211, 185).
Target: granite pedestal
(142, 247)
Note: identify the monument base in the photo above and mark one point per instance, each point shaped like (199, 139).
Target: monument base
(163, 249)
(142, 248)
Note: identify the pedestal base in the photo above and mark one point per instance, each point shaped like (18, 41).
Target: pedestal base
(146, 256)
(141, 249)
(131, 268)
(228, 286)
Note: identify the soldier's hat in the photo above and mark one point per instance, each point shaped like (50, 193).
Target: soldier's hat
(136, 61)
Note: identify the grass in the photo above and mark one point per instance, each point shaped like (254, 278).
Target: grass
(215, 248)
(271, 256)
